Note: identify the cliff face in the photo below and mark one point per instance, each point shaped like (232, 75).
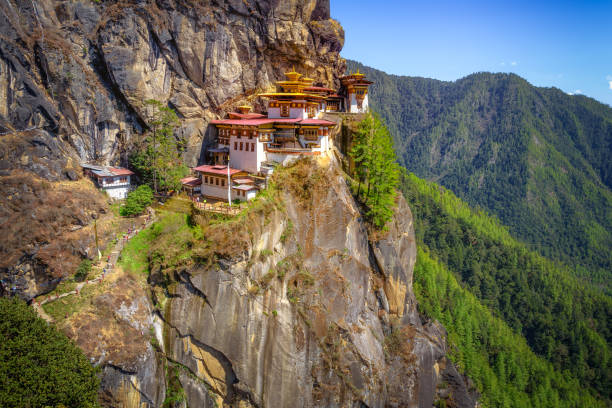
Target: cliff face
(80, 72)
(306, 312)
(74, 77)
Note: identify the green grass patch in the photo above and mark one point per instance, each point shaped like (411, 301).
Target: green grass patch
(63, 308)
(167, 243)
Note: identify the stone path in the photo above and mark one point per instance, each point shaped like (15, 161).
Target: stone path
(106, 270)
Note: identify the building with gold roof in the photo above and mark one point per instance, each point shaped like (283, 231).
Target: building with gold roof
(292, 126)
(356, 92)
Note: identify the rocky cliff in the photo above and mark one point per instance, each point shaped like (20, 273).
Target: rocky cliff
(294, 305)
(74, 76)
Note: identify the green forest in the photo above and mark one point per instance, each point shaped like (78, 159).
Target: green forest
(39, 366)
(525, 329)
(537, 158)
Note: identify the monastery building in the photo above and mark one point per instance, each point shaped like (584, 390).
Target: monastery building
(252, 143)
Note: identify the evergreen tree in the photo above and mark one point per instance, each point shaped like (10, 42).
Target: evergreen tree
(39, 366)
(137, 201)
(376, 166)
(158, 160)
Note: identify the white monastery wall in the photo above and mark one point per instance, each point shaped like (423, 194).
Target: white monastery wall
(215, 191)
(244, 159)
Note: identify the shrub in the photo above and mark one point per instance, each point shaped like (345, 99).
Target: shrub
(83, 270)
(137, 201)
(40, 366)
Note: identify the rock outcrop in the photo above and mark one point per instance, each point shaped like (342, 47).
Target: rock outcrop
(81, 71)
(309, 313)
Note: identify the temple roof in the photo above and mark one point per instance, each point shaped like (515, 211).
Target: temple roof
(107, 171)
(236, 115)
(265, 121)
(293, 95)
(216, 169)
(318, 89)
(292, 75)
(245, 187)
(191, 181)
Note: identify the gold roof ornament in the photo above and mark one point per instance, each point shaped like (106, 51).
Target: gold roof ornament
(244, 109)
(293, 76)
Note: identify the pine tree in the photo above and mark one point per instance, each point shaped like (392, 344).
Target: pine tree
(376, 165)
(159, 159)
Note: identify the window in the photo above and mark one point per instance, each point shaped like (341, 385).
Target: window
(241, 146)
(310, 134)
(222, 182)
(216, 181)
(284, 112)
(252, 147)
(206, 179)
(235, 145)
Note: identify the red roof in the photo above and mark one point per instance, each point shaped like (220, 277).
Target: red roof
(319, 122)
(245, 122)
(245, 187)
(243, 181)
(257, 122)
(236, 115)
(120, 171)
(216, 169)
(191, 181)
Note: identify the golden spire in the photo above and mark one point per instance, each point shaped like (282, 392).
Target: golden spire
(244, 109)
(293, 76)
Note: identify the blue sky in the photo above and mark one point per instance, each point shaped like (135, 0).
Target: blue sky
(564, 44)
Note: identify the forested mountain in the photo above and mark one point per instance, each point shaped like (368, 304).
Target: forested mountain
(527, 331)
(537, 158)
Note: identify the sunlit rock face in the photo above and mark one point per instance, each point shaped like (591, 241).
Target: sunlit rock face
(327, 318)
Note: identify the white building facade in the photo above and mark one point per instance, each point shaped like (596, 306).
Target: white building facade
(116, 181)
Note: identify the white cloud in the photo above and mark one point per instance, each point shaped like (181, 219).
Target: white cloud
(577, 91)
(502, 64)
(514, 63)
(610, 82)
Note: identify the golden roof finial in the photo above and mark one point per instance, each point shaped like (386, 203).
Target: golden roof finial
(293, 75)
(244, 109)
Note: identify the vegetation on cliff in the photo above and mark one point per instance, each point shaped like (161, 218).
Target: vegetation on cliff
(40, 366)
(376, 169)
(562, 319)
(537, 158)
(137, 201)
(158, 159)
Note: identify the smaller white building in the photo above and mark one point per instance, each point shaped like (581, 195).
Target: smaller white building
(356, 91)
(220, 183)
(116, 181)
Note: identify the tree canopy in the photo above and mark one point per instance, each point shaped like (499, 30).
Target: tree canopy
(376, 169)
(561, 318)
(158, 159)
(137, 201)
(39, 366)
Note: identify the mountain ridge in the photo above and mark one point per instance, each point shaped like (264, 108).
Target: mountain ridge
(534, 157)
